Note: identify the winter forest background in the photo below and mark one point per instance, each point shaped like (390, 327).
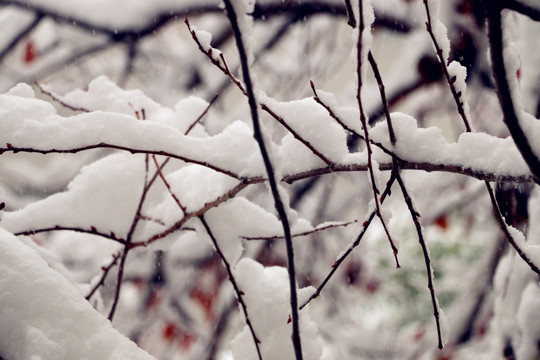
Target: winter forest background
(284, 179)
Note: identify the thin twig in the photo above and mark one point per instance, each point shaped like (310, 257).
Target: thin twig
(425, 251)
(382, 91)
(168, 186)
(236, 288)
(504, 92)
(74, 150)
(351, 20)
(220, 62)
(442, 61)
(414, 214)
(351, 247)
(58, 100)
(507, 105)
(278, 203)
(202, 115)
(222, 65)
(196, 213)
(297, 136)
(504, 227)
(112, 236)
(363, 120)
(305, 233)
(106, 270)
(331, 112)
(129, 239)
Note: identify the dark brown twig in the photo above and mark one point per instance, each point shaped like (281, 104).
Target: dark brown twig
(220, 62)
(129, 239)
(236, 288)
(207, 206)
(118, 147)
(222, 65)
(382, 91)
(198, 120)
(364, 122)
(504, 227)
(112, 236)
(351, 247)
(106, 270)
(442, 61)
(305, 233)
(351, 19)
(504, 92)
(60, 101)
(297, 136)
(507, 105)
(168, 186)
(278, 203)
(414, 214)
(425, 251)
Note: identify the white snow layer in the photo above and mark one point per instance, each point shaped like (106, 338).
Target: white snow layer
(27, 122)
(266, 293)
(476, 151)
(32, 123)
(44, 317)
(102, 195)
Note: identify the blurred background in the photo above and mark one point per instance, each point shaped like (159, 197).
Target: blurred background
(177, 304)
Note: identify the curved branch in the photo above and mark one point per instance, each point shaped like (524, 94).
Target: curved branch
(504, 92)
(524, 9)
(93, 231)
(236, 288)
(119, 147)
(278, 203)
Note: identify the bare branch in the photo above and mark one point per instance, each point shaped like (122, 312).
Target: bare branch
(524, 9)
(106, 270)
(380, 83)
(503, 89)
(92, 230)
(351, 247)
(359, 45)
(297, 136)
(444, 68)
(207, 206)
(278, 203)
(350, 14)
(305, 233)
(129, 238)
(427, 259)
(60, 101)
(220, 62)
(198, 120)
(234, 284)
(506, 231)
(168, 186)
(118, 147)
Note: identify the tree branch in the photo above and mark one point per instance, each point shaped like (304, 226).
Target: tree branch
(278, 203)
(442, 62)
(359, 46)
(236, 288)
(504, 93)
(524, 9)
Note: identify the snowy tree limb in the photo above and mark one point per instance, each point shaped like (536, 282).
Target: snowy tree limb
(280, 208)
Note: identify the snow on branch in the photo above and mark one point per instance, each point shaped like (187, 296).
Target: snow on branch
(47, 316)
